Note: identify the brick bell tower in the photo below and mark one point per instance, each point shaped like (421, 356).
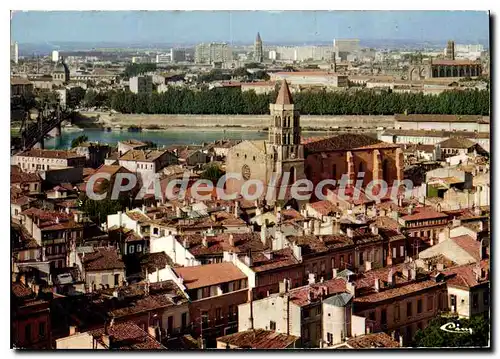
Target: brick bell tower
(284, 136)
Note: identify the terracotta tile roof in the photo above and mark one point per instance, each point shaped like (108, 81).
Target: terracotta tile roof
(137, 216)
(216, 245)
(291, 215)
(123, 234)
(457, 142)
(324, 207)
(19, 81)
(300, 295)
(129, 335)
(311, 244)
(397, 291)
(437, 133)
(60, 154)
(279, 259)
(142, 155)
(374, 340)
(24, 177)
(103, 259)
(21, 239)
(154, 261)
(422, 213)
(465, 276)
(340, 142)
(145, 304)
(284, 95)
(21, 200)
(21, 291)
(470, 245)
(52, 220)
(259, 339)
(209, 274)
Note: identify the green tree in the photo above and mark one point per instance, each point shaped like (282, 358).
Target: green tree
(434, 337)
(79, 140)
(75, 96)
(99, 210)
(212, 173)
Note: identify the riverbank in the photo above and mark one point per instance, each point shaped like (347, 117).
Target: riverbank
(224, 122)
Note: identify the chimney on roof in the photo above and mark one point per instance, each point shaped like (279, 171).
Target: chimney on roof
(406, 272)
(57, 219)
(334, 273)
(204, 241)
(350, 232)
(368, 266)
(231, 240)
(413, 274)
(390, 277)
(178, 212)
(376, 285)
(263, 234)
(351, 288)
(374, 229)
(440, 266)
(306, 229)
(283, 286)
(400, 201)
(312, 278)
(67, 210)
(444, 234)
(248, 260)
(310, 295)
(72, 330)
(410, 208)
(144, 209)
(236, 209)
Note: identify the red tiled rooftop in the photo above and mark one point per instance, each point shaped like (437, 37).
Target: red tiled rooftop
(300, 296)
(61, 154)
(324, 207)
(422, 213)
(209, 274)
(470, 245)
(465, 276)
(103, 259)
(259, 339)
(279, 259)
(128, 335)
(374, 340)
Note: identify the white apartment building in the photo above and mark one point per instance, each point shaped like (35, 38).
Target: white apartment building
(213, 52)
(141, 84)
(14, 52)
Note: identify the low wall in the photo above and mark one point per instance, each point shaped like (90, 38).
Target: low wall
(257, 121)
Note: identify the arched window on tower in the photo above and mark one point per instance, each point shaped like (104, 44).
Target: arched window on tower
(292, 179)
(385, 171)
(361, 167)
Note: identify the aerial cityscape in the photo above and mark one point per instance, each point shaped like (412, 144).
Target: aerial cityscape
(195, 180)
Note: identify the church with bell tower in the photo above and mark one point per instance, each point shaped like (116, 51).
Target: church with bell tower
(285, 157)
(277, 162)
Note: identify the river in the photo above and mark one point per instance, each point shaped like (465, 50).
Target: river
(162, 138)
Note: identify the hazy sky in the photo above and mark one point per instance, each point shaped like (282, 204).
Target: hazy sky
(242, 26)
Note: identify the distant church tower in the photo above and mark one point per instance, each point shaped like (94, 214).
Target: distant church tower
(257, 51)
(284, 135)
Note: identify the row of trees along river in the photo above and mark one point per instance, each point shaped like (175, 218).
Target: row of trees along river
(231, 101)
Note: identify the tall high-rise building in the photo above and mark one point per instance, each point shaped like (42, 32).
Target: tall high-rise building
(450, 50)
(213, 52)
(258, 54)
(14, 52)
(55, 56)
(344, 47)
